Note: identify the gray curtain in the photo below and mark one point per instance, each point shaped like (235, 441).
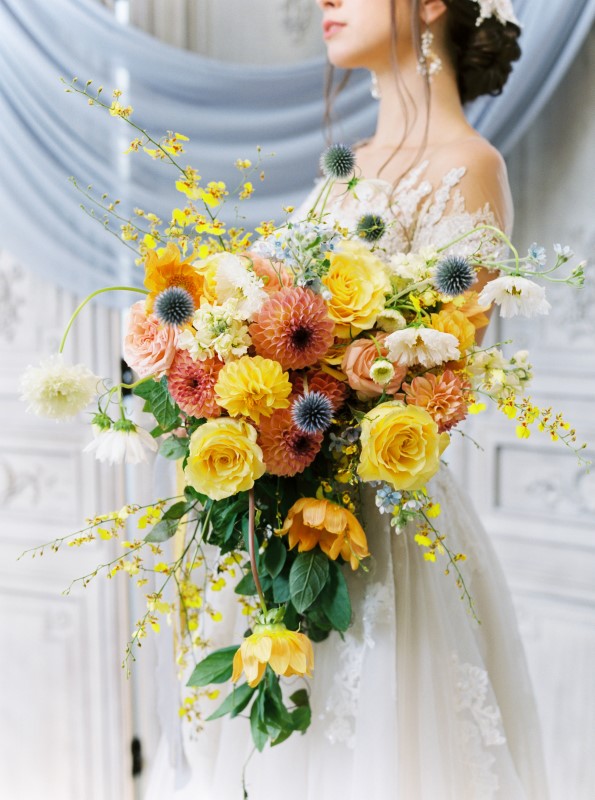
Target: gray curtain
(226, 110)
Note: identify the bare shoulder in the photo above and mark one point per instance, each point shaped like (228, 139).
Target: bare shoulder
(475, 154)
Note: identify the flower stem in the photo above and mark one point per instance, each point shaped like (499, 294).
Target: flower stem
(252, 549)
(88, 299)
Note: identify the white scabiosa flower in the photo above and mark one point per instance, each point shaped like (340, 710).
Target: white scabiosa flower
(56, 390)
(391, 320)
(423, 346)
(382, 371)
(122, 442)
(515, 295)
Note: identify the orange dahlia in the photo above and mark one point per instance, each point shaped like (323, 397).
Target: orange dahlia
(467, 304)
(319, 381)
(192, 384)
(167, 269)
(444, 397)
(293, 327)
(336, 530)
(286, 449)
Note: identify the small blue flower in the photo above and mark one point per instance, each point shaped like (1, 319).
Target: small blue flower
(453, 276)
(312, 413)
(174, 306)
(537, 254)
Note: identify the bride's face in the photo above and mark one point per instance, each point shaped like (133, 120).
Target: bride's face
(358, 33)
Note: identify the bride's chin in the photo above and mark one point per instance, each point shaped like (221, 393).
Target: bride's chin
(343, 59)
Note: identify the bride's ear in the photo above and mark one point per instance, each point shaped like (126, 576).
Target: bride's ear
(431, 10)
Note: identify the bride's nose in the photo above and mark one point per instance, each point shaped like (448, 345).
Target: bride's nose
(329, 3)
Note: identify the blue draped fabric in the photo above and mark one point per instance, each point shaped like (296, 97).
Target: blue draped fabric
(226, 110)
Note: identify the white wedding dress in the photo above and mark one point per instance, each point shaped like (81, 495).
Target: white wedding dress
(417, 701)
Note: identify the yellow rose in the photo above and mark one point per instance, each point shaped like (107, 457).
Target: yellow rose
(253, 387)
(224, 458)
(400, 445)
(358, 283)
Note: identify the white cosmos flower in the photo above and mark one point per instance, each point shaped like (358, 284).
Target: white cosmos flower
(423, 346)
(235, 280)
(391, 320)
(125, 442)
(515, 295)
(57, 390)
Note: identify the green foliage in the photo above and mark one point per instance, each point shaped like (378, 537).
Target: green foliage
(227, 517)
(160, 403)
(174, 447)
(270, 719)
(215, 668)
(309, 573)
(234, 703)
(162, 531)
(275, 556)
(334, 599)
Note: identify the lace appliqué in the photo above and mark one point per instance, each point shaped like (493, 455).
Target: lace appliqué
(480, 726)
(343, 700)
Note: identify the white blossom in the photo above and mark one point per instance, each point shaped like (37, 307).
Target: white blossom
(125, 442)
(218, 332)
(57, 390)
(424, 346)
(515, 295)
(391, 320)
(413, 267)
(501, 9)
(235, 280)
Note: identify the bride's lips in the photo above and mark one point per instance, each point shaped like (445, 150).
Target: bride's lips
(330, 27)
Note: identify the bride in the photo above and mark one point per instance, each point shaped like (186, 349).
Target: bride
(418, 701)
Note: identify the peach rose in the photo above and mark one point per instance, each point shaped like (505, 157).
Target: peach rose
(149, 347)
(357, 362)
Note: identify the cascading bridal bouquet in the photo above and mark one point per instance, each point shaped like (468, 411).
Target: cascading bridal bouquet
(284, 376)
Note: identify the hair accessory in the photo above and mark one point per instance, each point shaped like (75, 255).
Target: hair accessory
(374, 88)
(429, 64)
(501, 9)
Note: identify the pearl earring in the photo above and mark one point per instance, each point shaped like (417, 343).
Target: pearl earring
(374, 88)
(429, 63)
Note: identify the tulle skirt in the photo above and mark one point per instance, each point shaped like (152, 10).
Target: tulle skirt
(418, 701)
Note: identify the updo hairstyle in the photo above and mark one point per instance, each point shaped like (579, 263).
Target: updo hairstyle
(482, 54)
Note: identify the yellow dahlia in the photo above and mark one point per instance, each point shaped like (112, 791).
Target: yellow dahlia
(166, 268)
(293, 327)
(287, 652)
(336, 530)
(252, 387)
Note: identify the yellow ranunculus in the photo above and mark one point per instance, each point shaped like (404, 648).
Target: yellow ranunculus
(451, 320)
(252, 387)
(400, 445)
(287, 652)
(224, 458)
(358, 282)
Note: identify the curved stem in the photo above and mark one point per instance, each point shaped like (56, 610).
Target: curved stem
(88, 299)
(492, 228)
(252, 549)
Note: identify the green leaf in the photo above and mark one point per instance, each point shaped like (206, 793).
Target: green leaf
(274, 556)
(302, 717)
(307, 578)
(159, 402)
(281, 588)
(246, 585)
(174, 447)
(235, 702)
(300, 698)
(178, 510)
(215, 668)
(257, 727)
(190, 493)
(162, 531)
(334, 599)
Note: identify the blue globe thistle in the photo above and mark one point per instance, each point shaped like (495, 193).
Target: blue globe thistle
(174, 306)
(371, 227)
(337, 161)
(454, 275)
(312, 413)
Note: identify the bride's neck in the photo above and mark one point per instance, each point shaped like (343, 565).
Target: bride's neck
(406, 118)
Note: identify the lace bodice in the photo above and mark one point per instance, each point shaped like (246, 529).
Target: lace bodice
(418, 212)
